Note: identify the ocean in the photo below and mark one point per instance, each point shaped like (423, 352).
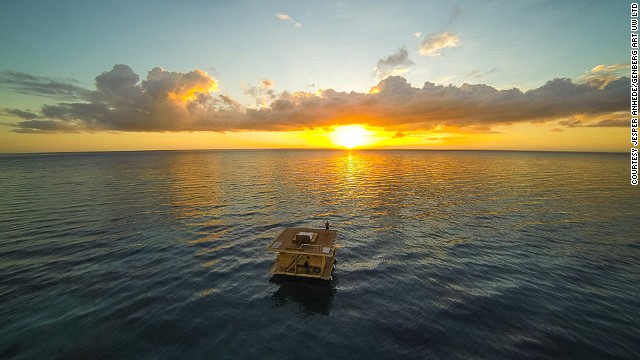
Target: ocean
(443, 255)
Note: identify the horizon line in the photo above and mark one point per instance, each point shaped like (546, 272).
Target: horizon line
(309, 149)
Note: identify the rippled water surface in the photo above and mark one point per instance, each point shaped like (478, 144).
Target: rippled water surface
(444, 255)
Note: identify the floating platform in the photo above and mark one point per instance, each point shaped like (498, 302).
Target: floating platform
(304, 252)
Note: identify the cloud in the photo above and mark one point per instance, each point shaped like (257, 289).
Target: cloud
(43, 86)
(582, 121)
(478, 75)
(397, 63)
(288, 18)
(399, 135)
(572, 122)
(264, 93)
(474, 74)
(120, 102)
(174, 101)
(454, 14)
(601, 75)
(45, 126)
(611, 123)
(24, 114)
(433, 43)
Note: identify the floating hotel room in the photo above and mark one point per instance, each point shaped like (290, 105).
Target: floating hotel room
(304, 252)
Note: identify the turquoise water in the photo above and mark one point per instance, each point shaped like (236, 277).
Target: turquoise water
(444, 255)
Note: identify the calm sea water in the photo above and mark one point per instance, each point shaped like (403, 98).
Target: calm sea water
(445, 255)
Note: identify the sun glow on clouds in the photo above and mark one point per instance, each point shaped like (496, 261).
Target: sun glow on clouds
(188, 89)
(433, 43)
(286, 17)
(393, 113)
(174, 101)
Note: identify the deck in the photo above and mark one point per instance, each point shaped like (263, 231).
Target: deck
(312, 258)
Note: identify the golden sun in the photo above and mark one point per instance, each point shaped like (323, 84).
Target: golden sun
(350, 136)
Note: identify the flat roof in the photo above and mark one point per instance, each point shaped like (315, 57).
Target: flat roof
(321, 246)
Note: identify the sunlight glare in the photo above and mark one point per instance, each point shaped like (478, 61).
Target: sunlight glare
(350, 136)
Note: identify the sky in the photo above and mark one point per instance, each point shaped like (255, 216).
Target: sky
(196, 74)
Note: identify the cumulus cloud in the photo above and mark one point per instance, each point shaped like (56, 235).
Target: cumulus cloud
(433, 43)
(42, 86)
(288, 18)
(601, 75)
(120, 102)
(397, 63)
(173, 101)
(263, 93)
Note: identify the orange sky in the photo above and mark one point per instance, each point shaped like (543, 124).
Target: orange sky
(172, 110)
(514, 137)
(432, 74)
